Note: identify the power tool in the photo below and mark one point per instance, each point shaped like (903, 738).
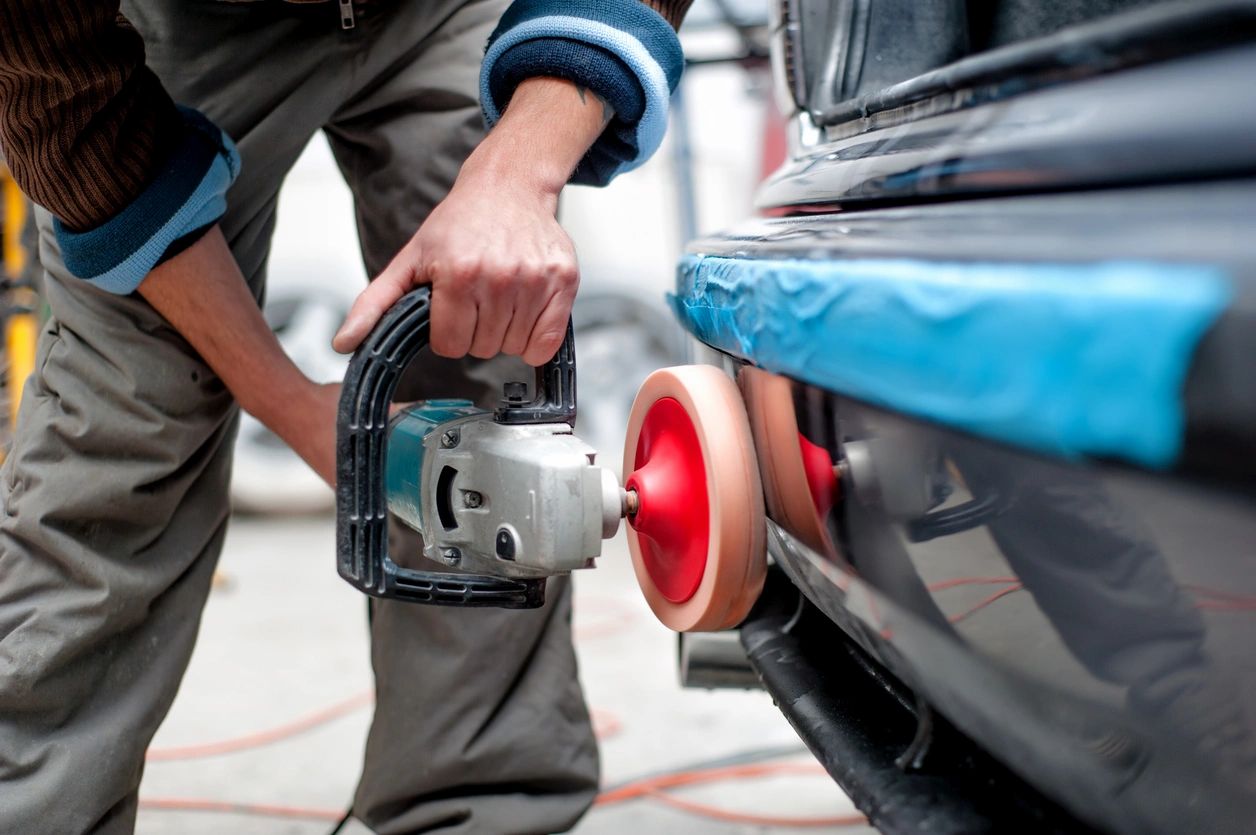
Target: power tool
(509, 497)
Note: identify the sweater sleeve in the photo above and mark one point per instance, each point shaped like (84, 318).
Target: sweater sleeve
(89, 133)
(626, 51)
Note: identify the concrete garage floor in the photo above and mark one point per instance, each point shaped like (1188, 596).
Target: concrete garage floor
(284, 638)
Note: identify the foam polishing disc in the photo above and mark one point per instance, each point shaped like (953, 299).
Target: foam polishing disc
(697, 534)
(799, 483)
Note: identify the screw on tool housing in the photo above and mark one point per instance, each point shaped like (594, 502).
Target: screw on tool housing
(451, 556)
(472, 499)
(450, 439)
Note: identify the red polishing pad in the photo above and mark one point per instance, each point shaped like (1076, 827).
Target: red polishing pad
(697, 537)
(799, 484)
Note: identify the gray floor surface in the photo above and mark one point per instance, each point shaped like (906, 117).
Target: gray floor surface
(283, 638)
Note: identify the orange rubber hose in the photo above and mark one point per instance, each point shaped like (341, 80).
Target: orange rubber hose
(642, 788)
(728, 815)
(270, 810)
(264, 737)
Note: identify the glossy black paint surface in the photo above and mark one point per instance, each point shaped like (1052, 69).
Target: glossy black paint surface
(1091, 628)
(901, 764)
(1151, 98)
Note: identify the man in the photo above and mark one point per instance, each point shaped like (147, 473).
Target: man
(115, 489)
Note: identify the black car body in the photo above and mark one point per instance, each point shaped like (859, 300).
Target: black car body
(1007, 280)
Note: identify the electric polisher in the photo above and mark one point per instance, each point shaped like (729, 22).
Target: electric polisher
(506, 498)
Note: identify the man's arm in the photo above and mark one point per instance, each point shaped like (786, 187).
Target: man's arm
(503, 272)
(91, 135)
(202, 294)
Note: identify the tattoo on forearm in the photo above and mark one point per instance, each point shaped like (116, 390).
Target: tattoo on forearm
(608, 112)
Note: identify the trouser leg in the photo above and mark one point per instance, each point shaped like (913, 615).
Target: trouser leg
(114, 513)
(115, 490)
(480, 724)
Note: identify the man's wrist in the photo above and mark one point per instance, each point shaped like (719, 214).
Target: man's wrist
(507, 164)
(544, 133)
(275, 394)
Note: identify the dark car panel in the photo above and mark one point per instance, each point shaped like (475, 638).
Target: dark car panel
(1090, 627)
(1086, 619)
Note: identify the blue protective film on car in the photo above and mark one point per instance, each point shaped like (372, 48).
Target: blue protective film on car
(1069, 359)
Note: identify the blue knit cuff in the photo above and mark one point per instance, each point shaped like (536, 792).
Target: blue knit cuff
(621, 49)
(189, 193)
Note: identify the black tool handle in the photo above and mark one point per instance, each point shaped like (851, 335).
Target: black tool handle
(361, 460)
(554, 400)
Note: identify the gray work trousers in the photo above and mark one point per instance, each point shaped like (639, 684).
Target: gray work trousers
(115, 492)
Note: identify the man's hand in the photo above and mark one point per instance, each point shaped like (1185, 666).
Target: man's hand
(502, 271)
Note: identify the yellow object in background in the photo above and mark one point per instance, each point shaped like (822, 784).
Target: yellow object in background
(21, 324)
(14, 215)
(20, 336)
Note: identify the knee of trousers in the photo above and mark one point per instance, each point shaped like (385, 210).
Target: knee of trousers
(115, 487)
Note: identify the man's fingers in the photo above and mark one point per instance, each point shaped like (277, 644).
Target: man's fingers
(371, 304)
(536, 336)
(367, 309)
(550, 328)
(490, 328)
(496, 289)
(528, 307)
(483, 303)
(453, 322)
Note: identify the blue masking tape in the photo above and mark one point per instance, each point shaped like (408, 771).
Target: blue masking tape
(1068, 359)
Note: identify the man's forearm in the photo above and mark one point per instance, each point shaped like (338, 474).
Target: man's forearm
(201, 293)
(503, 273)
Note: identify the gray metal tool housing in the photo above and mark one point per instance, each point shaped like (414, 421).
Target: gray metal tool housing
(512, 500)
